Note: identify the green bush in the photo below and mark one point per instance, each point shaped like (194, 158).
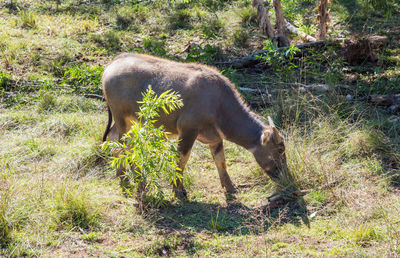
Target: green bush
(180, 19)
(146, 154)
(109, 40)
(84, 78)
(248, 16)
(154, 46)
(28, 19)
(204, 54)
(240, 37)
(211, 26)
(129, 15)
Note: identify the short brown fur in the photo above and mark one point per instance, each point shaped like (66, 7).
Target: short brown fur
(212, 111)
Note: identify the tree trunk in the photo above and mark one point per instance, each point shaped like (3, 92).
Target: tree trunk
(323, 19)
(265, 24)
(283, 40)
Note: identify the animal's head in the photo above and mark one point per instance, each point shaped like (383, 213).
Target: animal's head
(270, 151)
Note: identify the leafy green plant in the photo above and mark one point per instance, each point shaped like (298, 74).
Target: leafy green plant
(28, 19)
(146, 154)
(240, 37)
(3, 80)
(248, 16)
(84, 78)
(154, 45)
(280, 60)
(211, 26)
(110, 40)
(46, 103)
(180, 19)
(129, 15)
(202, 54)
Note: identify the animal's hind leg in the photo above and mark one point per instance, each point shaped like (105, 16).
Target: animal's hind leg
(116, 133)
(217, 151)
(186, 141)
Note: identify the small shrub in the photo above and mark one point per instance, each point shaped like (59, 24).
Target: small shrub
(204, 54)
(365, 233)
(59, 65)
(109, 40)
(129, 15)
(147, 155)
(248, 16)
(74, 208)
(154, 46)
(124, 19)
(84, 78)
(4, 78)
(91, 237)
(180, 19)
(211, 26)
(240, 37)
(317, 197)
(5, 231)
(28, 19)
(217, 223)
(47, 102)
(213, 5)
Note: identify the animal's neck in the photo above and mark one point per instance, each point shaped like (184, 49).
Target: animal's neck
(240, 126)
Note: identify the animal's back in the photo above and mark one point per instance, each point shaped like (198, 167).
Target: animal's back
(201, 88)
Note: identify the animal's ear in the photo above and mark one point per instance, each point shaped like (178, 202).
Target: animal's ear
(271, 122)
(266, 136)
(277, 136)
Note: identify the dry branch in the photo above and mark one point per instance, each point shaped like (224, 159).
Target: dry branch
(94, 96)
(277, 200)
(292, 29)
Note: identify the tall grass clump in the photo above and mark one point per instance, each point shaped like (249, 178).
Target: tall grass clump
(146, 154)
(130, 15)
(6, 195)
(180, 19)
(73, 207)
(28, 19)
(329, 139)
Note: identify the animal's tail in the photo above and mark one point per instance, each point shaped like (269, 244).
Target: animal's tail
(108, 124)
(107, 131)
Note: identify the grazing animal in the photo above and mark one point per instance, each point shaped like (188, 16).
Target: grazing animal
(212, 111)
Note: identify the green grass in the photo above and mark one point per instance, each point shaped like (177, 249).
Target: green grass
(59, 197)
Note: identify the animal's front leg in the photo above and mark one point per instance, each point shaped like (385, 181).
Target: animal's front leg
(186, 141)
(217, 151)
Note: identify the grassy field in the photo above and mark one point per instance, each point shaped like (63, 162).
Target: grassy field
(59, 197)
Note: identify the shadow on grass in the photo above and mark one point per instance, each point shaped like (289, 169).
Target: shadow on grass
(233, 219)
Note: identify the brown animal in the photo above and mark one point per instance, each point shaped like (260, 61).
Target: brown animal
(212, 111)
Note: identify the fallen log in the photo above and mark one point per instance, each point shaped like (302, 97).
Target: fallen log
(303, 88)
(352, 50)
(294, 30)
(94, 96)
(384, 100)
(253, 59)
